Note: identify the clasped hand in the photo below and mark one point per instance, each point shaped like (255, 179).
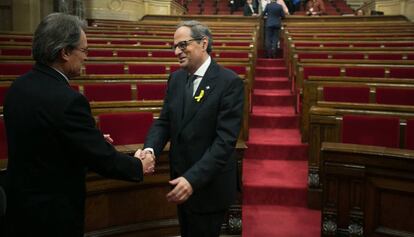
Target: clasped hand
(147, 159)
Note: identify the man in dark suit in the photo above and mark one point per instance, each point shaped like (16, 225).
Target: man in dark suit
(52, 138)
(249, 9)
(201, 118)
(274, 13)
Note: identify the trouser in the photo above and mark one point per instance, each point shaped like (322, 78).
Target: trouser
(272, 38)
(199, 224)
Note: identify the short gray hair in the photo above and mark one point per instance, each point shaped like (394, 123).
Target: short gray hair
(199, 31)
(55, 32)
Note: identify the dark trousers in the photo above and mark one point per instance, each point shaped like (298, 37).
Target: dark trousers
(272, 38)
(199, 224)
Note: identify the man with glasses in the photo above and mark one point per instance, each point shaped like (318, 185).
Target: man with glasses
(201, 117)
(52, 138)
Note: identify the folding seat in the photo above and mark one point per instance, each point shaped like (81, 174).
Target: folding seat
(409, 134)
(398, 72)
(313, 56)
(348, 56)
(151, 91)
(365, 72)
(3, 140)
(100, 53)
(16, 52)
(127, 42)
(126, 128)
(107, 92)
(16, 69)
(385, 56)
(104, 68)
(371, 130)
(320, 71)
(372, 44)
(3, 90)
(335, 44)
(146, 69)
(395, 96)
(97, 41)
(346, 94)
(163, 54)
(233, 55)
(399, 44)
(132, 53)
(410, 56)
(153, 43)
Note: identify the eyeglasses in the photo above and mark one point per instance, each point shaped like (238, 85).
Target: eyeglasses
(83, 50)
(182, 45)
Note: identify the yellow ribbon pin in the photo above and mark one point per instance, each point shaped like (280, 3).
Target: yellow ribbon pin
(198, 98)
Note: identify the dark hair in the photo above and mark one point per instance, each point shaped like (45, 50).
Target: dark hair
(199, 31)
(54, 33)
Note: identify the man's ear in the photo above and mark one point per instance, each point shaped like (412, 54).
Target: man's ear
(205, 43)
(65, 54)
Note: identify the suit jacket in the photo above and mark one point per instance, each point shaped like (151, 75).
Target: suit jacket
(275, 13)
(52, 142)
(202, 142)
(247, 11)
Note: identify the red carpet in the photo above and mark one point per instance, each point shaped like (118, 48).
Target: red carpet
(275, 163)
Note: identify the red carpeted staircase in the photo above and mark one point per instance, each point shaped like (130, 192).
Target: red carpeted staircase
(275, 163)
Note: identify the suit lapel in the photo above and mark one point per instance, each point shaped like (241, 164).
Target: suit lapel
(206, 86)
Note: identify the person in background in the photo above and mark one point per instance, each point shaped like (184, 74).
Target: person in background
(249, 9)
(274, 13)
(52, 138)
(315, 8)
(359, 12)
(201, 117)
(280, 2)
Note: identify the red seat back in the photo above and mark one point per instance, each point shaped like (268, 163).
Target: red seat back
(320, 71)
(370, 130)
(126, 128)
(151, 91)
(15, 68)
(395, 96)
(107, 92)
(146, 69)
(109, 68)
(346, 94)
(365, 72)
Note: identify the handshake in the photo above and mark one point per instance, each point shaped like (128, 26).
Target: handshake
(147, 159)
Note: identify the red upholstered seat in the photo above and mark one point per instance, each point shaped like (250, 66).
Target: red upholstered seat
(371, 130)
(399, 44)
(153, 43)
(348, 56)
(321, 71)
(3, 90)
(402, 72)
(15, 68)
(113, 68)
(107, 92)
(146, 69)
(409, 134)
(365, 72)
(100, 53)
(151, 91)
(128, 42)
(132, 53)
(126, 128)
(346, 94)
(97, 41)
(312, 55)
(385, 56)
(16, 52)
(367, 44)
(163, 54)
(395, 96)
(3, 140)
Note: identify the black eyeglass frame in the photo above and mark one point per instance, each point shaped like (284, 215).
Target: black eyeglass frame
(182, 45)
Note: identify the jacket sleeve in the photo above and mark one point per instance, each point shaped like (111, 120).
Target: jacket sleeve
(82, 138)
(227, 131)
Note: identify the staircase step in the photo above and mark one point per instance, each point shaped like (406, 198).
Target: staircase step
(273, 99)
(258, 120)
(265, 220)
(275, 182)
(269, 62)
(271, 71)
(275, 136)
(271, 150)
(272, 83)
(269, 110)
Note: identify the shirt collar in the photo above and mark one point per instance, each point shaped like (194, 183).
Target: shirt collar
(203, 68)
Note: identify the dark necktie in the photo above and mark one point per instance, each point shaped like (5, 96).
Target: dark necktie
(189, 87)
